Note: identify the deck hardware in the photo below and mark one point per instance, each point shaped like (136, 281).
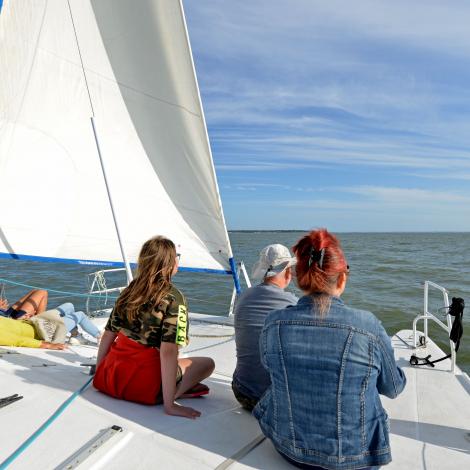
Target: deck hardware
(9, 400)
(455, 335)
(7, 351)
(44, 365)
(89, 448)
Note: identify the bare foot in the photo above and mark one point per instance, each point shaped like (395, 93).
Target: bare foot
(56, 346)
(183, 411)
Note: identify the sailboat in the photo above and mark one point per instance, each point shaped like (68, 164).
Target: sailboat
(101, 120)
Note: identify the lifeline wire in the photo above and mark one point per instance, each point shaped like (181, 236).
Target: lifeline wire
(76, 294)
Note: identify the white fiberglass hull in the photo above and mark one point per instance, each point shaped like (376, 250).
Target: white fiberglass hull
(429, 421)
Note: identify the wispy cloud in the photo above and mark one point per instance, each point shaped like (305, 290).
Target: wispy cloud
(373, 99)
(408, 196)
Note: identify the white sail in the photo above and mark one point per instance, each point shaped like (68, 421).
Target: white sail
(138, 81)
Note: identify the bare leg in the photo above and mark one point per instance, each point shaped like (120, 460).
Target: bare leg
(33, 303)
(194, 370)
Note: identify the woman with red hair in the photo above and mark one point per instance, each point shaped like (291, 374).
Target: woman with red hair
(328, 364)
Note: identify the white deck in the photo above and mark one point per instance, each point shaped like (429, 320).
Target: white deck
(429, 421)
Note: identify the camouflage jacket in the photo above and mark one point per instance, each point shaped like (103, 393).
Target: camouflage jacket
(167, 322)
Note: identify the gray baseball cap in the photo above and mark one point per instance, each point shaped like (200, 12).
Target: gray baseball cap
(273, 259)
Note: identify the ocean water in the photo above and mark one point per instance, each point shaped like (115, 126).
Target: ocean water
(387, 272)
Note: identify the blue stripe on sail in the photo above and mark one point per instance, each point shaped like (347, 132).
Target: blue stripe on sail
(108, 264)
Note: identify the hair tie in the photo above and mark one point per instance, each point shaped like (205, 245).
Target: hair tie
(316, 256)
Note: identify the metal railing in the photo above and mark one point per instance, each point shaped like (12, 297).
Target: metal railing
(98, 287)
(427, 316)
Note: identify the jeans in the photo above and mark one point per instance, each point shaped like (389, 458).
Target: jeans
(73, 318)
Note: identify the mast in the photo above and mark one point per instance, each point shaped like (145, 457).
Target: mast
(100, 156)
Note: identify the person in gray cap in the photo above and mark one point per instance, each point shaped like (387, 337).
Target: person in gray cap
(250, 379)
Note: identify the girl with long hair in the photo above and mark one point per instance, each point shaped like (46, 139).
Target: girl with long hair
(328, 364)
(138, 354)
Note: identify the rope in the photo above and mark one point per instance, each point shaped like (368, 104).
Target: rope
(43, 427)
(76, 294)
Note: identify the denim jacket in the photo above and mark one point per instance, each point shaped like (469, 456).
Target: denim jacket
(323, 406)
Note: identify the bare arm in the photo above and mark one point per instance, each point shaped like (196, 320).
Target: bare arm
(106, 341)
(169, 363)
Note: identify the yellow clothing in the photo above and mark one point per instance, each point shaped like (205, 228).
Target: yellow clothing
(17, 333)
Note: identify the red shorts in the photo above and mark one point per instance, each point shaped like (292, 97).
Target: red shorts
(130, 371)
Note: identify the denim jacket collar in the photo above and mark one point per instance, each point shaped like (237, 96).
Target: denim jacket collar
(308, 299)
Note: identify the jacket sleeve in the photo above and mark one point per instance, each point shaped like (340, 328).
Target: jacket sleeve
(391, 380)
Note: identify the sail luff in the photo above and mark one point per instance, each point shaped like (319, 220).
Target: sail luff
(214, 176)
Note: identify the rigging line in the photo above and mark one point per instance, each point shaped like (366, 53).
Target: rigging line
(81, 60)
(75, 294)
(12, 457)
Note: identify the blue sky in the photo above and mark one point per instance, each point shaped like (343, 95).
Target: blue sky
(354, 116)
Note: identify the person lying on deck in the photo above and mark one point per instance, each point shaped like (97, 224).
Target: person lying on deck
(138, 354)
(328, 363)
(35, 303)
(22, 334)
(250, 379)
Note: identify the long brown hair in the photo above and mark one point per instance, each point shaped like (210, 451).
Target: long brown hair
(320, 260)
(152, 281)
